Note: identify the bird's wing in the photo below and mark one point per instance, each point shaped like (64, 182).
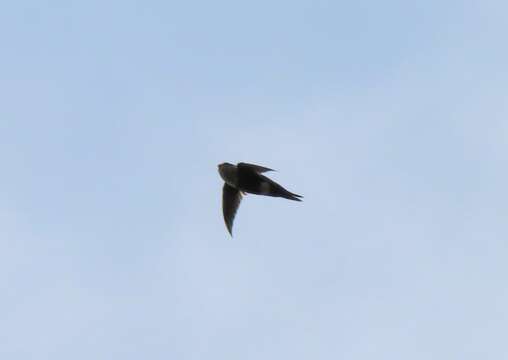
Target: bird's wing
(231, 199)
(252, 167)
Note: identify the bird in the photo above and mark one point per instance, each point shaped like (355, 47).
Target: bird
(244, 178)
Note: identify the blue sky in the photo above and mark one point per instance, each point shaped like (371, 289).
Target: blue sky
(389, 117)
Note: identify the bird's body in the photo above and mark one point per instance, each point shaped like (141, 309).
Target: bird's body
(247, 178)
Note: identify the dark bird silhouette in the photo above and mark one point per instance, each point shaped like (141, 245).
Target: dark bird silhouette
(246, 178)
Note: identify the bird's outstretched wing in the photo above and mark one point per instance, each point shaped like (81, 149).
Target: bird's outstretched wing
(252, 167)
(231, 199)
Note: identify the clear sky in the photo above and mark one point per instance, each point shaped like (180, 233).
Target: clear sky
(390, 117)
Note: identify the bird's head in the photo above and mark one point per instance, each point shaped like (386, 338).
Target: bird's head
(227, 172)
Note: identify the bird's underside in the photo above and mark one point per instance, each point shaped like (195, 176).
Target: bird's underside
(247, 178)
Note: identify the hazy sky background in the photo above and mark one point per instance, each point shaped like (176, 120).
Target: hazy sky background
(390, 117)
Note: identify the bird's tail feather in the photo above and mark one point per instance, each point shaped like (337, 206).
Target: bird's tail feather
(281, 192)
(292, 196)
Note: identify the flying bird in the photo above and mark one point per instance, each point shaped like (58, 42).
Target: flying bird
(246, 178)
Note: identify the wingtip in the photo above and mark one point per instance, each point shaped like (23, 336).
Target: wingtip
(230, 231)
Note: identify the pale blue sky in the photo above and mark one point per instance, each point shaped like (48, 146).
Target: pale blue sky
(389, 117)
